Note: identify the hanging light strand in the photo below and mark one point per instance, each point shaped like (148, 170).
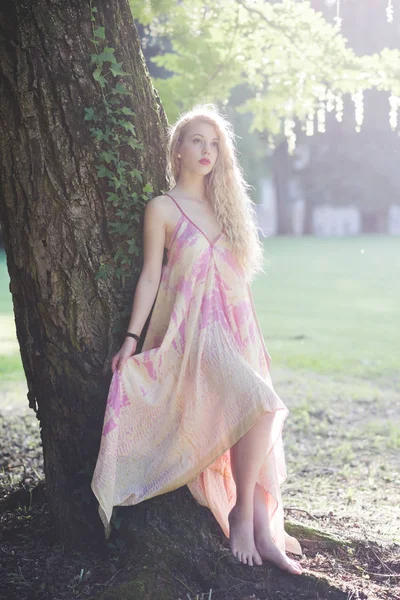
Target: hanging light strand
(389, 11)
(358, 99)
(339, 108)
(338, 19)
(330, 101)
(310, 123)
(289, 125)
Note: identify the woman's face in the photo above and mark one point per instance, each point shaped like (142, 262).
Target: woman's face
(199, 148)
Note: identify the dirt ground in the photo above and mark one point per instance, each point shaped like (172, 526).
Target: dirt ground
(342, 441)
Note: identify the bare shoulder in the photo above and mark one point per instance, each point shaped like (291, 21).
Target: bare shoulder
(164, 208)
(161, 214)
(161, 207)
(156, 206)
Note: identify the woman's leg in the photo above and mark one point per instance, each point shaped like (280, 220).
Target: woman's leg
(247, 456)
(263, 538)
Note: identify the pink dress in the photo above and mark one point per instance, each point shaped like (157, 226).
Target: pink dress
(199, 384)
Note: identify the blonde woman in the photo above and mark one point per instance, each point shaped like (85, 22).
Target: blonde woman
(197, 406)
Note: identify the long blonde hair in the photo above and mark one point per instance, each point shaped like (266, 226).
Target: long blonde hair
(225, 187)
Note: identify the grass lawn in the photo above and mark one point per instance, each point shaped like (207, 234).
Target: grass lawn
(332, 305)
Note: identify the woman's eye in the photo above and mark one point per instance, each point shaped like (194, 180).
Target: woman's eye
(215, 144)
(197, 140)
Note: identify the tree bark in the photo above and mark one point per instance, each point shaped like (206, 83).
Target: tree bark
(54, 214)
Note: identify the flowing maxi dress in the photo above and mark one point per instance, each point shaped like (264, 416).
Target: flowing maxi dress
(200, 383)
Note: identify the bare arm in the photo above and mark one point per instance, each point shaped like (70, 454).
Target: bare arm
(149, 280)
(153, 252)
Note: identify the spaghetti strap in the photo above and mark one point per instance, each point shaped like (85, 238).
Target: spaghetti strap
(194, 224)
(176, 204)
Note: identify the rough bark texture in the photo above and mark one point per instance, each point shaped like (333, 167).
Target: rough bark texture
(54, 215)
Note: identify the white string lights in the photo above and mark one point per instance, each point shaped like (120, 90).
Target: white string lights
(339, 108)
(338, 19)
(389, 11)
(358, 99)
(288, 129)
(321, 118)
(329, 100)
(310, 128)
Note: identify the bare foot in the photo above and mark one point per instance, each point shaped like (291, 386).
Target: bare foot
(241, 538)
(268, 550)
(265, 545)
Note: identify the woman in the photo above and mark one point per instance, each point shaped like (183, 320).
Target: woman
(197, 405)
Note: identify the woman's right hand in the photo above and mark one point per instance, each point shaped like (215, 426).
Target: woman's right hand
(127, 350)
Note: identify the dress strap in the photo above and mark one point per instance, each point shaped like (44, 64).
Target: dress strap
(176, 203)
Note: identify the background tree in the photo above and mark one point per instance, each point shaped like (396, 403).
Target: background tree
(349, 165)
(285, 71)
(292, 60)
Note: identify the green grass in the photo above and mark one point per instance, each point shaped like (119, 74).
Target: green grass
(326, 305)
(332, 305)
(10, 358)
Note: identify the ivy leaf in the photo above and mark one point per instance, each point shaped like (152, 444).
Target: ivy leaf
(89, 114)
(148, 188)
(113, 197)
(136, 174)
(102, 171)
(108, 55)
(127, 125)
(116, 69)
(122, 228)
(104, 271)
(108, 156)
(100, 33)
(99, 77)
(134, 144)
(120, 89)
(127, 111)
(100, 135)
(94, 59)
(133, 250)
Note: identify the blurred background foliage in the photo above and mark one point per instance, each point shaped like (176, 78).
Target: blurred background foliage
(309, 78)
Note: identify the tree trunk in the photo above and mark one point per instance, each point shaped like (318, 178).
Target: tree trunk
(55, 216)
(281, 173)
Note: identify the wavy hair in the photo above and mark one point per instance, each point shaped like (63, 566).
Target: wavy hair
(225, 187)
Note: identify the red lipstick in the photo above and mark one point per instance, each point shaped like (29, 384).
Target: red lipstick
(205, 161)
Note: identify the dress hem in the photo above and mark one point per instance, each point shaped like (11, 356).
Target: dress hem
(193, 473)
